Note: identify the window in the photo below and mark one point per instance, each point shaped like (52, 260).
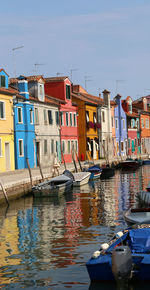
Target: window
(41, 92)
(147, 124)
(122, 146)
(75, 120)
(112, 121)
(116, 123)
(45, 147)
(31, 116)
(94, 118)
(52, 146)
(19, 115)
(68, 92)
(63, 146)
(123, 121)
(71, 119)
(135, 143)
(61, 118)
(45, 117)
(68, 146)
(137, 123)
(57, 148)
(20, 147)
(2, 82)
(129, 143)
(57, 117)
(142, 123)
(132, 123)
(0, 147)
(2, 110)
(67, 120)
(76, 146)
(36, 116)
(87, 116)
(103, 116)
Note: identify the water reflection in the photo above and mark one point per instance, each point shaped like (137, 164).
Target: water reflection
(45, 242)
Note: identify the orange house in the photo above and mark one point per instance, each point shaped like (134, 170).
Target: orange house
(88, 122)
(140, 107)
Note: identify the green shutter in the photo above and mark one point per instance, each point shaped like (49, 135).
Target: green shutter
(3, 84)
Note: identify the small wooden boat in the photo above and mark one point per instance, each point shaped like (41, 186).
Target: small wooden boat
(95, 171)
(129, 165)
(125, 258)
(58, 185)
(81, 178)
(143, 197)
(137, 216)
(107, 172)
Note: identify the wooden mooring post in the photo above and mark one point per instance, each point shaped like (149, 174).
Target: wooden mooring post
(40, 167)
(30, 174)
(4, 192)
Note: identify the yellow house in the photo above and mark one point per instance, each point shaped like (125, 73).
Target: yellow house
(87, 122)
(6, 124)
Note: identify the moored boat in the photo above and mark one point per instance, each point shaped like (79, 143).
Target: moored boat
(137, 216)
(146, 162)
(107, 172)
(95, 171)
(129, 165)
(143, 197)
(81, 178)
(125, 257)
(57, 185)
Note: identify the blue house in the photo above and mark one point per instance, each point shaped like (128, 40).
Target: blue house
(120, 127)
(24, 129)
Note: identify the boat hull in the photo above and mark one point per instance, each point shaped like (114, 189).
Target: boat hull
(81, 178)
(107, 173)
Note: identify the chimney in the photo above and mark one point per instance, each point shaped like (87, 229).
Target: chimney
(106, 97)
(23, 87)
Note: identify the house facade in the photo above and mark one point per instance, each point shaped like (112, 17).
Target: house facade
(133, 128)
(120, 127)
(141, 107)
(7, 161)
(24, 130)
(60, 88)
(88, 122)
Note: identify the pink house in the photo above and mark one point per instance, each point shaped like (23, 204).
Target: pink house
(60, 88)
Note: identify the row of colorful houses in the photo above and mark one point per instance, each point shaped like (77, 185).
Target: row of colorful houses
(41, 117)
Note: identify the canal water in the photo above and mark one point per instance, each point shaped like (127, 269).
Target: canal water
(45, 242)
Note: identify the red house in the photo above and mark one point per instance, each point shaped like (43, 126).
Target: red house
(132, 127)
(60, 88)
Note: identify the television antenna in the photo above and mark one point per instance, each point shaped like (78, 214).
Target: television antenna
(36, 65)
(87, 79)
(14, 61)
(71, 71)
(59, 74)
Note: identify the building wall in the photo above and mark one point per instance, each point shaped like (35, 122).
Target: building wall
(92, 133)
(7, 133)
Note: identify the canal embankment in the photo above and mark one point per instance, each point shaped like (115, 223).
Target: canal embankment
(18, 183)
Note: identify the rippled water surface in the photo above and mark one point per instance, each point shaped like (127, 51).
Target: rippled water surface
(45, 243)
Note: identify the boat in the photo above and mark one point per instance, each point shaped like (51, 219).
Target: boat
(107, 172)
(129, 165)
(143, 197)
(146, 162)
(125, 257)
(57, 185)
(137, 216)
(81, 178)
(95, 171)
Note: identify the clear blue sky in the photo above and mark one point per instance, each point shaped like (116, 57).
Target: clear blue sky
(106, 42)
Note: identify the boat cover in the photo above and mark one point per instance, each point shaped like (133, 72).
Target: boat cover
(140, 240)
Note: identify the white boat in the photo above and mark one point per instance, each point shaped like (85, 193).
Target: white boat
(137, 216)
(58, 185)
(81, 178)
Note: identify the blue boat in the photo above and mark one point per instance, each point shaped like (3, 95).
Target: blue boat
(95, 171)
(126, 256)
(146, 162)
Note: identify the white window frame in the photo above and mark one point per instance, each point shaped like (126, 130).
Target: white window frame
(4, 115)
(36, 112)
(31, 116)
(62, 118)
(63, 146)
(0, 147)
(45, 147)
(71, 121)
(20, 108)
(52, 146)
(142, 123)
(116, 123)
(147, 123)
(67, 114)
(75, 119)
(45, 116)
(20, 141)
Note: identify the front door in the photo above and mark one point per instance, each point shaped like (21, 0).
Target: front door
(38, 152)
(7, 155)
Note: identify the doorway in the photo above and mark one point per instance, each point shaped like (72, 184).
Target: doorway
(38, 152)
